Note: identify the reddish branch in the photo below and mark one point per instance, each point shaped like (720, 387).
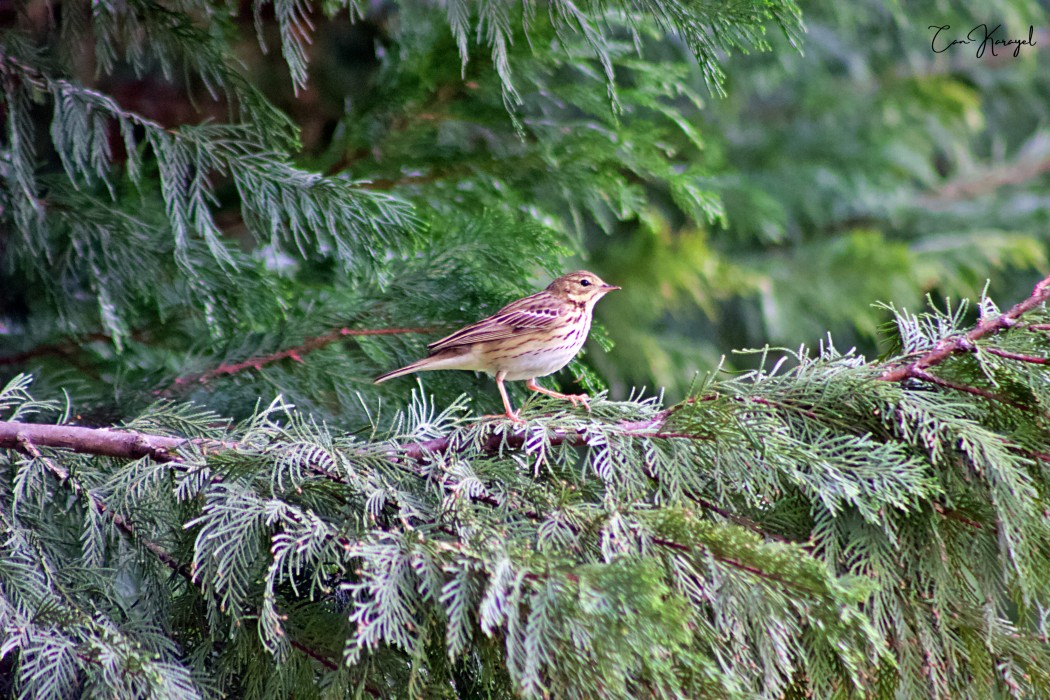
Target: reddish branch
(969, 389)
(296, 353)
(965, 343)
(1017, 356)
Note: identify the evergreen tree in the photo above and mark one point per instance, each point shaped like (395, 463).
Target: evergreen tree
(203, 494)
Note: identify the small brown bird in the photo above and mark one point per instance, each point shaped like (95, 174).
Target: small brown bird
(527, 338)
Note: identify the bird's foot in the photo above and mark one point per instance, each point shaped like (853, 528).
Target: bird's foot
(575, 399)
(578, 399)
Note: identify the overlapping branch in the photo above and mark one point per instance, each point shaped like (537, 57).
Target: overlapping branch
(65, 348)
(958, 344)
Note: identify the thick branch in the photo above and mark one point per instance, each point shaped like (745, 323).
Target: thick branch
(964, 343)
(96, 441)
(131, 445)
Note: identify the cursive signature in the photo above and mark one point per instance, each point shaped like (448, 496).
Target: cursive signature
(981, 35)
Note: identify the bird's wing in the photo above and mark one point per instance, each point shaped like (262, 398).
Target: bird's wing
(528, 315)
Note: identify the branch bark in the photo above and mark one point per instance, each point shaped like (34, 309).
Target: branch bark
(97, 441)
(420, 451)
(965, 343)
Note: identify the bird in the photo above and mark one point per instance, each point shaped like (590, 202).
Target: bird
(528, 338)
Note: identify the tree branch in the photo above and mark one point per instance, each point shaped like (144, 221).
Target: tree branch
(24, 444)
(964, 343)
(420, 451)
(295, 353)
(130, 445)
(1015, 173)
(1034, 359)
(969, 389)
(97, 441)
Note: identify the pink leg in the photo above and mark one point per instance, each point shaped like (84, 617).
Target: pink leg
(511, 413)
(574, 398)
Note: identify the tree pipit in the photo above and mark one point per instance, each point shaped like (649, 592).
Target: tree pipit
(527, 338)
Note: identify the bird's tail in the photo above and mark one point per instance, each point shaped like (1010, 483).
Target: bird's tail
(453, 358)
(432, 362)
(407, 369)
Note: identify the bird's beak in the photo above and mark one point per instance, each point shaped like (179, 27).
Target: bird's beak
(610, 287)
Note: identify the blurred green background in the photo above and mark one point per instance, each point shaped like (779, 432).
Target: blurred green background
(863, 167)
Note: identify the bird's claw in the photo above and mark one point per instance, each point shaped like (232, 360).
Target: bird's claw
(579, 398)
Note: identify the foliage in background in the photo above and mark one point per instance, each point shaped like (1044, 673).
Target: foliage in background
(185, 237)
(865, 167)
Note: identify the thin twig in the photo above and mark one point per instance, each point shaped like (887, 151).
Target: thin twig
(1034, 359)
(956, 515)
(316, 655)
(26, 445)
(975, 390)
(295, 353)
(735, 563)
(739, 519)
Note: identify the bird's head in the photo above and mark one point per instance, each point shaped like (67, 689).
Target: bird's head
(580, 287)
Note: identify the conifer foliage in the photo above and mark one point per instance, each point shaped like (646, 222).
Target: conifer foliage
(202, 495)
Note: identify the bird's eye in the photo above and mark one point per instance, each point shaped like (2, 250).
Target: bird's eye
(585, 283)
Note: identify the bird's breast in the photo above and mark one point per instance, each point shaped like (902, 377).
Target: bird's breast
(541, 353)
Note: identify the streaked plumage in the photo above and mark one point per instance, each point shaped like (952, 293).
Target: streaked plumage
(527, 338)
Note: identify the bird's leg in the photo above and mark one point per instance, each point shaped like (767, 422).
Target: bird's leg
(574, 398)
(511, 413)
